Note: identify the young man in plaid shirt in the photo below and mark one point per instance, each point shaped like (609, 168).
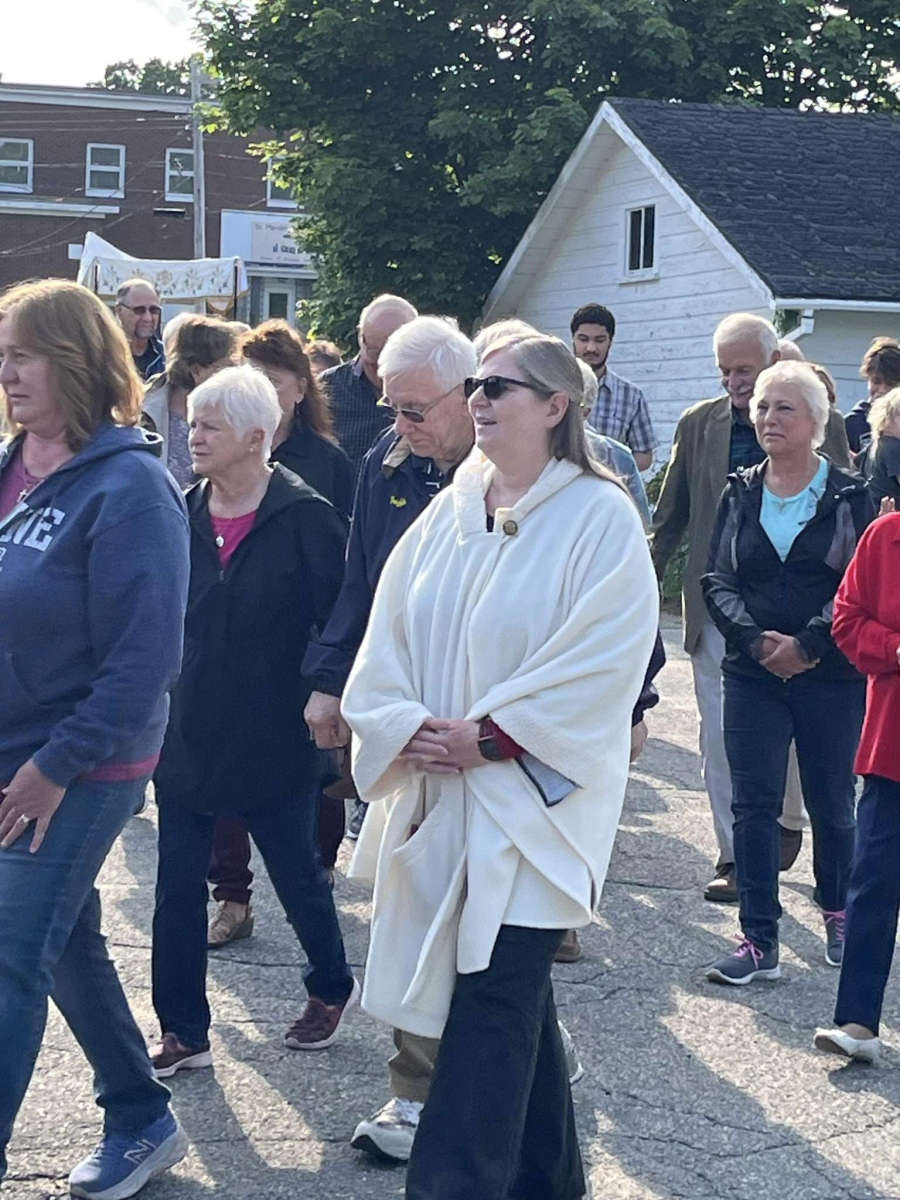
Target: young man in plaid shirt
(621, 410)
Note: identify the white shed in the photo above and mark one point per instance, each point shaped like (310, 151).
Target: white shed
(674, 215)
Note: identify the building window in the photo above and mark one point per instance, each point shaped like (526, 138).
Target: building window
(278, 196)
(180, 175)
(16, 165)
(641, 245)
(105, 171)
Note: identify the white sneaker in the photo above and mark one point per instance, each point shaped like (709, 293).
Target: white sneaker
(574, 1069)
(390, 1133)
(835, 1041)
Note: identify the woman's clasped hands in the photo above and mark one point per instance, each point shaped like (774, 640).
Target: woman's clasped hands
(783, 656)
(442, 746)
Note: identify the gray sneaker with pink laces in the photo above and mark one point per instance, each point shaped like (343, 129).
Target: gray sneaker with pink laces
(746, 964)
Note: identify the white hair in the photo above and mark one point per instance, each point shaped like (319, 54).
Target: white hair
(747, 325)
(591, 385)
(790, 351)
(244, 399)
(387, 303)
(801, 376)
(511, 327)
(433, 344)
(170, 331)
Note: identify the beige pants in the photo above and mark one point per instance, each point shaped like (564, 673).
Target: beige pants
(412, 1066)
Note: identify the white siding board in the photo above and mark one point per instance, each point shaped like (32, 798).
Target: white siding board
(664, 326)
(839, 341)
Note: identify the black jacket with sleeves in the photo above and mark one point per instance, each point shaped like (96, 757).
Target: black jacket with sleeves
(236, 736)
(748, 589)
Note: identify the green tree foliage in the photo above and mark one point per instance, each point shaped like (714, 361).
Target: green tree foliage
(421, 136)
(155, 76)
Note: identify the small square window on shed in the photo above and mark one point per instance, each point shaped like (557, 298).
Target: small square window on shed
(641, 234)
(16, 165)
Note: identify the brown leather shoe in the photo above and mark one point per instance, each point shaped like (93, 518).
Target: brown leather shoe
(789, 848)
(722, 889)
(231, 923)
(170, 1054)
(320, 1023)
(570, 948)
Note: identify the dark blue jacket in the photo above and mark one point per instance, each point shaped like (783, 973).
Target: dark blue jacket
(153, 361)
(93, 585)
(394, 488)
(856, 423)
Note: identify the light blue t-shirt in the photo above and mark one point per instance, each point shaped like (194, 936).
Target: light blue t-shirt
(782, 517)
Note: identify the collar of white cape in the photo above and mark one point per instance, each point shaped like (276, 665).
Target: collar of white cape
(473, 478)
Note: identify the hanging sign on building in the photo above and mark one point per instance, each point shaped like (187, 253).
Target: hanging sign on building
(271, 241)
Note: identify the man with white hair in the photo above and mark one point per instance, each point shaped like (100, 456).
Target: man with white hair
(138, 310)
(715, 438)
(354, 388)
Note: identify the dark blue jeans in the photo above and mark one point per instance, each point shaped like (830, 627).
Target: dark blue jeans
(499, 1122)
(762, 715)
(51, 945)
(873, 903)
(285, 836)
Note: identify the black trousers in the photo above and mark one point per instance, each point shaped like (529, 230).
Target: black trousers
(285, 836)
(499, 1122)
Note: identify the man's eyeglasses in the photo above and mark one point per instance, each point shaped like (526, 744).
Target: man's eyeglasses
(415, 415)
(494, 386)
(141, 310)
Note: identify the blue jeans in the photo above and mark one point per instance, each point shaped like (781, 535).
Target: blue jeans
(873, 903)
(285, 836)
(762, 715)
(51, 945)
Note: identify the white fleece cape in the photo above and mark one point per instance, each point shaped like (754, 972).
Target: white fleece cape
(546, 624)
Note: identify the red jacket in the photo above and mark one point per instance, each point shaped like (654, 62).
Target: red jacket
(867, 629)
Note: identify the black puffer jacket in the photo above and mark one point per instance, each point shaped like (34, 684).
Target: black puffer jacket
(236, 736)
(749, 589)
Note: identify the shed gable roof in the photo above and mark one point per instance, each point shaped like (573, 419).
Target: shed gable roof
(809, 200)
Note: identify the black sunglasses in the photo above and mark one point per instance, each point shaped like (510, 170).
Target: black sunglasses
(494, 386)
(140, 309)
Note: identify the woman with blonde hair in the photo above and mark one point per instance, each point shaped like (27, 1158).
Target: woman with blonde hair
(491, 702)
(94, 547)
(880, 462)
(201, 347)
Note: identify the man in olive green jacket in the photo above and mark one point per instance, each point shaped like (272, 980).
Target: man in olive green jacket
(713, 439)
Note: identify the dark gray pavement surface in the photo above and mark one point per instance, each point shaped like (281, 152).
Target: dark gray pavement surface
(690, 1090)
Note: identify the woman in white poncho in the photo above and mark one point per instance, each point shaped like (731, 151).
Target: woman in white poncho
(491, 702)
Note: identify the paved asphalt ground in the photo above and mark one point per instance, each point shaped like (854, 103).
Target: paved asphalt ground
(690, 1090)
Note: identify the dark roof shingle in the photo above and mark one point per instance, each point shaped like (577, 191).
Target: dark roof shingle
(810, 200)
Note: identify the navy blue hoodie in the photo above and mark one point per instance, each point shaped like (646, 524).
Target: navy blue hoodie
(93, 584)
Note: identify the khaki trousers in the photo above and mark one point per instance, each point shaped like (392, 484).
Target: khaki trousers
(412, 1066)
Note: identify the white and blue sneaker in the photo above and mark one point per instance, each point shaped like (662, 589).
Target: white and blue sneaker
(124, 1162)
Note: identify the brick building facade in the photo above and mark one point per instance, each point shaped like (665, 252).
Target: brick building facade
(74, 160)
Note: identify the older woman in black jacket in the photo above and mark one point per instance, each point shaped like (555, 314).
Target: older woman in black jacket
(266, 566)
(786, 532)
(304, 442)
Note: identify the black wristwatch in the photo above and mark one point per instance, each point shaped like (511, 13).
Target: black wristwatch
(488, 745)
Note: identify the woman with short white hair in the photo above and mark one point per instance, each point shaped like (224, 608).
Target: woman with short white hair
(266, 564)
(786, 532)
